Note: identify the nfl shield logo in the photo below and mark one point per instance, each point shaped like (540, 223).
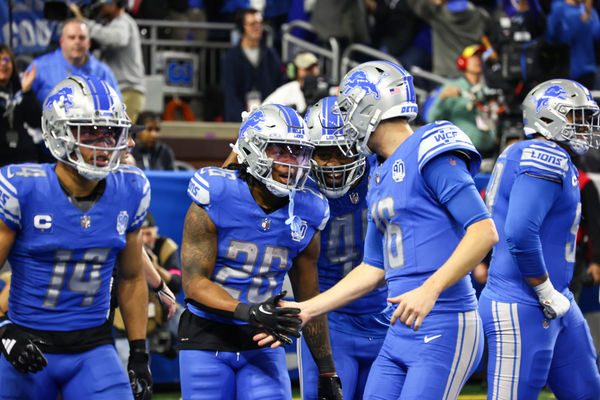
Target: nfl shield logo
(265, 224)
(354, 198)
(122, 220)
(86, 221)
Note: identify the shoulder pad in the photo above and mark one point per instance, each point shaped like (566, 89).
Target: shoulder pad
(443, 136)
(207, 184)
(10, 208)
(140, 189)
(544, 159)
(320, 209)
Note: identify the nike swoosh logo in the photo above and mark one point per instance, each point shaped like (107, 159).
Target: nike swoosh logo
(428, 339)
(261, 308)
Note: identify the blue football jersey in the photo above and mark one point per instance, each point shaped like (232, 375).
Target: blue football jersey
(62, 259)
(255, 249)
(342, 245)
(545, 160)
(418, 233)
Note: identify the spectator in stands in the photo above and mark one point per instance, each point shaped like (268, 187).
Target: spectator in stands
(400, 33)
(576, 23)
(458, 102)
(250, 71)
(149, 152)
(121, 48)
(292, 93)
(455, 24)
(20, 111)
(344, 20)
(72, 58)
(188, 11)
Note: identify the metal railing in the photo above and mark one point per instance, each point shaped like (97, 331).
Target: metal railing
(208, 52)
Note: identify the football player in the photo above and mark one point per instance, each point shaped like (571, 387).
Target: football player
(536, 333)
(62, 228)
(356, 330)
(247, 227)
(428, 228)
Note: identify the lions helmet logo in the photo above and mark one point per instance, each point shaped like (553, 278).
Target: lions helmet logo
(254, 121)
(360, 80)
(554, 91)
(63, 97)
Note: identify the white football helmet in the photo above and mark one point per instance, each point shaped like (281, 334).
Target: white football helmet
(549, 106)
(325, 126)
(372, 92)
(81, 106)
(275, 134)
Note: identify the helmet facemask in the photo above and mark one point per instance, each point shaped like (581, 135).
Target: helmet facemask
(582, 130)
(336, 180)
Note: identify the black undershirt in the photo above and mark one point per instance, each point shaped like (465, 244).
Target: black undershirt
(85, 203)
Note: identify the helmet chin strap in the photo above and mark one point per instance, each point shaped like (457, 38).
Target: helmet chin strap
(293, 221)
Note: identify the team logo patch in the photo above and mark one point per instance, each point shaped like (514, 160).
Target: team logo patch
(298, 235)
(122, 220)
(86, 221)
(398, 171)
(354, 198)
(43, 222)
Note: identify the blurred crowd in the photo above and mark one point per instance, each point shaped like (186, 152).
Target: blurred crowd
(480, 57)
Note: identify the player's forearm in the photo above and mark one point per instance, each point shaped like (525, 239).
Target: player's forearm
(316, 334)
(361, 280)
(133, 301)
(479, 238)
(209, 295)
(152, 275)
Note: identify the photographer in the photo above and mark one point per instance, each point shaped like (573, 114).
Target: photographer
(19, 111)
(466, 101)
(302, 91)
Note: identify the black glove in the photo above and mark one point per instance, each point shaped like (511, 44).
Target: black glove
(139, 371)
(330, 387)
(20, 348)
(277, 321)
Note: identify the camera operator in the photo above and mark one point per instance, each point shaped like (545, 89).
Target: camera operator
(307, 87)
(470, 104)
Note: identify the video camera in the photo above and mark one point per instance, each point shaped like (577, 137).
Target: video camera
(316, 87)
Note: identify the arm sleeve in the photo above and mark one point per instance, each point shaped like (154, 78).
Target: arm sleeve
(447, 175)
(530, 200)
(373, 246)
(590, 211)
(114, 34)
